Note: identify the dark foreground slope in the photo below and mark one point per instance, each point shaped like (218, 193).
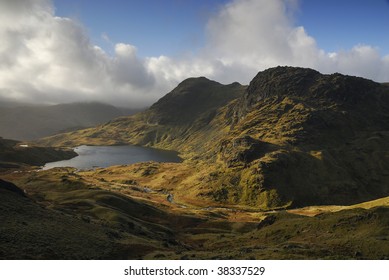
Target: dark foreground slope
(67, 217)
(29, 231)
(69, 221)
(295, 137)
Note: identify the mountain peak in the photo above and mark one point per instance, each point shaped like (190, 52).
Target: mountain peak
(193, 83)
(192, 97)
(196, 79)
(306, 83)
(282, 80)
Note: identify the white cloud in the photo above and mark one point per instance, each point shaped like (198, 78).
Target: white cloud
(247, 31)
(362, 60)
(125, 50)
(247, 36)
(44, 58)
(252, 35)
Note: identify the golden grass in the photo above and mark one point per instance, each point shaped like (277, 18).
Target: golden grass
(140, 223)
(312, 211)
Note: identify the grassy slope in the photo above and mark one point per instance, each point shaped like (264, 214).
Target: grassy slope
(29, 231)
(65, 210)
(316, 210)
(59, 217)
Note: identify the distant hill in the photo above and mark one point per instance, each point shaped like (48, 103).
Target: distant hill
(293, 137)
(33, 122)
(14, 154)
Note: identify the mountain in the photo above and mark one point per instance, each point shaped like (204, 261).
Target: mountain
(303, 138)
(176, 121)
(33, 122)
(294, 137)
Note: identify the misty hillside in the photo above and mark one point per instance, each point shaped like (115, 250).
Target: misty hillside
(33, 122)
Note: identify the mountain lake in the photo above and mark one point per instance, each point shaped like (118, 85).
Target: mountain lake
(104, 156)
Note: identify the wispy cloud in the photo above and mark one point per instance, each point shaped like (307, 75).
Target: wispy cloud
(49, 59)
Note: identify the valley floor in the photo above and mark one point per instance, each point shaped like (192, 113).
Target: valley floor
(123, 212)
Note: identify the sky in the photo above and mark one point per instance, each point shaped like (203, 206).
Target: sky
(129, 53)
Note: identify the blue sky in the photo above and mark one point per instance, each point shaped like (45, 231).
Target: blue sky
(342, 24)
(156, 27)
(132, 52)
(171, 27)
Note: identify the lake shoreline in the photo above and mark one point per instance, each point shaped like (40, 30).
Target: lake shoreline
(92, 156)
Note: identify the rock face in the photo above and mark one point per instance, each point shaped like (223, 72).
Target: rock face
(292, 137)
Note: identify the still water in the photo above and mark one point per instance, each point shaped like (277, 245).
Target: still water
(104, 156)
